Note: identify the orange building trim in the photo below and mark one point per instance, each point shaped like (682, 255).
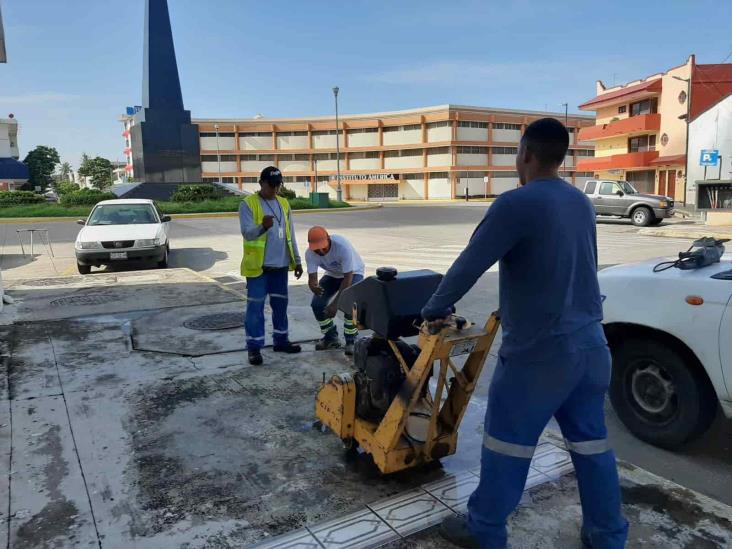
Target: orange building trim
(634, 124)
(618, 161)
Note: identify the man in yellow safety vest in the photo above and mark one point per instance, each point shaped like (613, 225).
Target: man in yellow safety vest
(270, 251)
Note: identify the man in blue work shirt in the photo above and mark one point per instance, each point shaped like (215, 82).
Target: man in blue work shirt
(270, 251)
(554, 359)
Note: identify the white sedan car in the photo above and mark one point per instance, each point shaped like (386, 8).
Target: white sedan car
(122, 230)
(670, 334)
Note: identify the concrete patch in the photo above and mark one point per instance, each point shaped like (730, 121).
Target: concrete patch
(71, 297)
(170, 331)
(49, 504)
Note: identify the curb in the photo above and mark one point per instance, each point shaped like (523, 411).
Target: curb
(690, 235)
(28, 220)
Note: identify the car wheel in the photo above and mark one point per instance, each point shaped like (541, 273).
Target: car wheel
(658, 395)
(641, 216)
(83, 269)
(163, 263)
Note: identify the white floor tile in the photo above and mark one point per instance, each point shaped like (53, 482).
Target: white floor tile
(454, 490)
(354, 531)
(412, 511)
(553, 463)
(302, 539)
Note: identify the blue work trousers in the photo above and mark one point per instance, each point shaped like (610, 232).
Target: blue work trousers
(330, 286)
(523, 397)
(274, 284)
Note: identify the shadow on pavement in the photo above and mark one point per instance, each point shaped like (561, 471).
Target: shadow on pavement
(11, 261)
(196, 259)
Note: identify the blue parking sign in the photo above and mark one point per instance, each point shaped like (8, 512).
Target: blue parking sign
(709, 158)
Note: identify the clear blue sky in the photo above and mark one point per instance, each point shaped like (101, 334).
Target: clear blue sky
(74, 65)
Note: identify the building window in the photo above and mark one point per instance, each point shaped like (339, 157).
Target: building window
(215, 158)
(292, 134)
(250, 180)
(642, 143)
(504, 126)
(472, 175)
(411, 176)
(647, 106)
(213, 134)
(472, 150)
(505, 150)
(255, 134)
(504, 174)
(439, 150)
(327, 156)
(584, 152)
(388, 129)
(412, 127)
(365, 154)
(405, 152)
(325, 132)
(301, 157)
(443, 124)
(362, 130)
(622, 109)
(471, 124)
(438, 175)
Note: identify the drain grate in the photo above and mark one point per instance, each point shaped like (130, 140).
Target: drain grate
(219, 321)
(91, 299)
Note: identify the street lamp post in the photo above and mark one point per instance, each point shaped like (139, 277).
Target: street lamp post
(218, 151)
(688, 115)
(315, 164)
(339, 189)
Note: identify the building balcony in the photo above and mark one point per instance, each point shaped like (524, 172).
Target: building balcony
(644, 123)
(617, 161)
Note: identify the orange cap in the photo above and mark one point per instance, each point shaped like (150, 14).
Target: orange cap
(317, 238)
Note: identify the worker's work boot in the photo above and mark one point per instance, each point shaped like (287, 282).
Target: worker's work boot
(327, 343)
(348, 349)
(255, 357)
(289, 348)
(455, 530)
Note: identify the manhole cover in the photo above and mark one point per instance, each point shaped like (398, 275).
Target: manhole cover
(82, 300)
(219, 321)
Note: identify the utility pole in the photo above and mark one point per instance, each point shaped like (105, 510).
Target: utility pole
(218, 151)
(339, 190)
(566, 107)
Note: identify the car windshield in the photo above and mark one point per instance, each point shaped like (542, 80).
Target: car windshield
(627, 187)
(123, 214)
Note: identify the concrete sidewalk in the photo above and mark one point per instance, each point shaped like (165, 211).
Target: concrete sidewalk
(129, 417)
(687, 231)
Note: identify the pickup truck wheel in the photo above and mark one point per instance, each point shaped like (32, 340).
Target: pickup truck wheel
(641, 216)
(83, 269)
(658, 396)
(163, 263)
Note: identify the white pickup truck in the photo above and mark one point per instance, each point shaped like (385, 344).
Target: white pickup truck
(670, 334)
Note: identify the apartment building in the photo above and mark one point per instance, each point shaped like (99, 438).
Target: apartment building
(641, 131)
(430, 153)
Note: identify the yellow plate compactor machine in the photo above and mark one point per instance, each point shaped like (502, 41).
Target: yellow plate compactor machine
(385, 405)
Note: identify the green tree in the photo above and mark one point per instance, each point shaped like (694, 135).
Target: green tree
(64, 172)
(98, 169)
(41, 163)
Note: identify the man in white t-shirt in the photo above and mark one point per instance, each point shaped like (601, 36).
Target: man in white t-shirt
(343, 267)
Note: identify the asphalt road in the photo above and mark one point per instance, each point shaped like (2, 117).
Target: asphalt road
(410, 237)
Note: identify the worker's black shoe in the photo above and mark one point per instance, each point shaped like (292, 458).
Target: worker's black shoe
(455, 530)
(289, 348)
(327, 343)
(255, 357)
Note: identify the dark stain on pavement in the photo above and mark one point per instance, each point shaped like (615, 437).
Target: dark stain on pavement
(53, 521)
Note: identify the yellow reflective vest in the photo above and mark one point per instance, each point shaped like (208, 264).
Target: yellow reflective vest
(253, 260)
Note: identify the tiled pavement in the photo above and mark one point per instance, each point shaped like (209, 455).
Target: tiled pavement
(413, 511)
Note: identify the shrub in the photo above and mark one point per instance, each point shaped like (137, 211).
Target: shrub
(85, 197)
(66, 187)
(14, 198)
(287, 193)
(197, 193)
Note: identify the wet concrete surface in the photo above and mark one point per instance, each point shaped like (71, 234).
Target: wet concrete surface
(102, 444)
